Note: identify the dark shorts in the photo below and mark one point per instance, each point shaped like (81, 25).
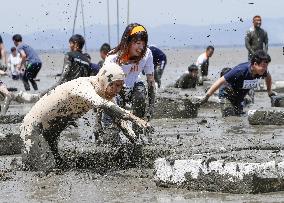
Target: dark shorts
(32, 70)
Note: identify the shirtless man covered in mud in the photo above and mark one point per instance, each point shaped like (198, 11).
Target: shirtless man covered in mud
(42, 126)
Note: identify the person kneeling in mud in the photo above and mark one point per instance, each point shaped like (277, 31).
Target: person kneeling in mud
(188, 79)
(42, 126)
(239, 81)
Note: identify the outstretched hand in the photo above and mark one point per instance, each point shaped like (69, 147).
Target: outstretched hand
(202, 100)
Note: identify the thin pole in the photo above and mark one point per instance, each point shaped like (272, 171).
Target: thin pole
(117, 18)
(83, 19)
(127, 12)
(75, 17)
(108, 22)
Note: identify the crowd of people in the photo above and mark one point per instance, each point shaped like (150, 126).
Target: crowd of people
(116, 83)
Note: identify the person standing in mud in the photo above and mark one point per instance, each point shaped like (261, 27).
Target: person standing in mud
(203, 64)
(256, 38)
(14, 63)
(160, 62)
(188, 79)
(9, 96)
(239, 81)
(43, 124)
(30, 60)
(134, 57)
(76, 63)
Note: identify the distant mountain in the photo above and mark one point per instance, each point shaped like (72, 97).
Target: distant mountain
(170, 35)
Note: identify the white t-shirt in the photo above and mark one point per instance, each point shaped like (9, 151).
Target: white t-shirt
(13, 62)
(201, 59)
(133, 71)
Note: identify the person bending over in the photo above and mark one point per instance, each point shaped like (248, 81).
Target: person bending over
(30, 60)
(240, 80)
(43, 124)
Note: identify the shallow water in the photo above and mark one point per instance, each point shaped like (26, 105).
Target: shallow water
(136, 185)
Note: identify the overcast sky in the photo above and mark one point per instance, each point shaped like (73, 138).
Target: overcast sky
(28, 16)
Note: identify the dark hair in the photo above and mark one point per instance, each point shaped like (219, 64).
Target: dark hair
(78, 39)
(17, 38)
(13, 49)
(122, 49)
(210, 47)
(260, 56)
(192, 67)
(105, 48)
(224, 71)
(256, 16)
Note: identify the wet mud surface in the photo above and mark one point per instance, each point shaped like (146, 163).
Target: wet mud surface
(112, 174)
(125, 173)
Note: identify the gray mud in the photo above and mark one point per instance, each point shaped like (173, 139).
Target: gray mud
(111, 174)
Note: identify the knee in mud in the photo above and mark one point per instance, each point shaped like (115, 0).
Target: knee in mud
(229, 111)
(138, 100)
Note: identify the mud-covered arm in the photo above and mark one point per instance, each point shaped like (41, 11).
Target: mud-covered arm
(63, 78)
(151, 93)
(247, 42)
(216, 85)
(149, 71)
(211, 91)
(268, 81)
(113, 110)
(266, 42)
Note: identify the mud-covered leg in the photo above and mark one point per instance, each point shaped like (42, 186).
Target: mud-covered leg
(36, 153)
(159, 69)
(227, 108)
(25, 80)
(98, 128)
(52, 140)
(138, 100)
(138, 104)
